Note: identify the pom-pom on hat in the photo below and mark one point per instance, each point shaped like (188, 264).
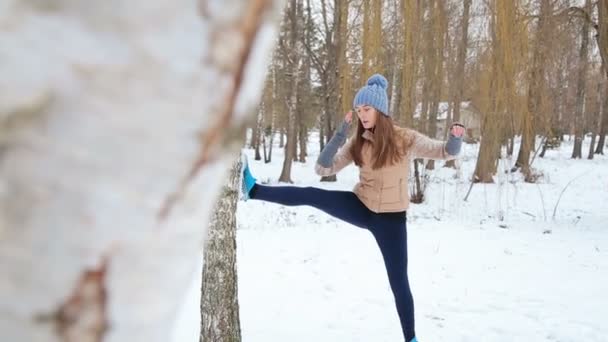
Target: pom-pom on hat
(374, 94)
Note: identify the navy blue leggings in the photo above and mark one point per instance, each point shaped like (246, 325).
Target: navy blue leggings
(389, 230)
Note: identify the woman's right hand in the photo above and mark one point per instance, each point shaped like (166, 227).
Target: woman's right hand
(349, 117)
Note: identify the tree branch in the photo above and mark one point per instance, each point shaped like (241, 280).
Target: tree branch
(581, 13)
(573, 11)
(314, 57)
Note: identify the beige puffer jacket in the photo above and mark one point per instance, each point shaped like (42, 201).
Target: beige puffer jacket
(386, 189)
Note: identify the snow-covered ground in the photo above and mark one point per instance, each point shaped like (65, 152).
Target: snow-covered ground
(510, 264)
(499, 267)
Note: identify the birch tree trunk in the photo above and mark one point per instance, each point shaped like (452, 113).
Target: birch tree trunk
(273, 119)
(258, 131)
(115, 118)
(219, 300)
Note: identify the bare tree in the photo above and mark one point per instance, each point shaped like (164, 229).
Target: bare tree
(294, 61)
(458, 80)
(602, 33)
(536, 86)
(435, 40)
(334, 69)
(599, 149)
(577, 151)
(499, 98)
(256, 132)
(595, 115)
(269, 132)
(602, 38)
(371, 38)
(412, 18)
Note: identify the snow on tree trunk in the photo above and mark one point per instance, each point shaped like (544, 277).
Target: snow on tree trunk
(116, 120)
(219, 301)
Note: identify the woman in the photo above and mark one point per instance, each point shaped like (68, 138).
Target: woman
(379, 202)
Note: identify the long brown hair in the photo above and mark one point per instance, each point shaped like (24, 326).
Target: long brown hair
(387, 148)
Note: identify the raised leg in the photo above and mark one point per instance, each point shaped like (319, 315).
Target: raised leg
(343, 205)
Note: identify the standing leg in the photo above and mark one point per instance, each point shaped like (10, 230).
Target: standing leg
(343, 205)
(389, 230)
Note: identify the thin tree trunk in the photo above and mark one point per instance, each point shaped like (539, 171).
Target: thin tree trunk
(258, 132)
(303, 137)
(577, 151)
(293, 101)
(501, 90)
(596, 122)
(270, 146)
(602, 39)
(555, 130)
(395, 91)
(535, 92)
(602, 34)
(344, 83)
(321, 133)
(510, 142)
(219, 298)
(291, 140)
(604, 122)
(254, 132)
(264, 148)
(337, 82)
(461, 60)
(418, 193)
(366, 46)
(273, 120)
(307, 33)
(397, 94)
(296, 133)
(458, 89)
(106, 188)
(437, 38)
(371, 38)
(411, 16)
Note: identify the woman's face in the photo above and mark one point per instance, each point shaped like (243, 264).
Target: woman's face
(367, 116)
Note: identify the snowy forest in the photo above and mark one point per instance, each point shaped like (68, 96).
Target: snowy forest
(125, 128)
(519, 68)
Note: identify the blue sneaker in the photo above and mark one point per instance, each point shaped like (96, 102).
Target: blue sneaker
(414, 340)
(247, 179)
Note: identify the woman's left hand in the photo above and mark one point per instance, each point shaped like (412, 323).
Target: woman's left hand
(457, 130)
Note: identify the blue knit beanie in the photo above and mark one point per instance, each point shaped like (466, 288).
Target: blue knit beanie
(374, 94)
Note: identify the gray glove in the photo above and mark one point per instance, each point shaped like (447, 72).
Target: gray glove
(326, 157)
(452, 147)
